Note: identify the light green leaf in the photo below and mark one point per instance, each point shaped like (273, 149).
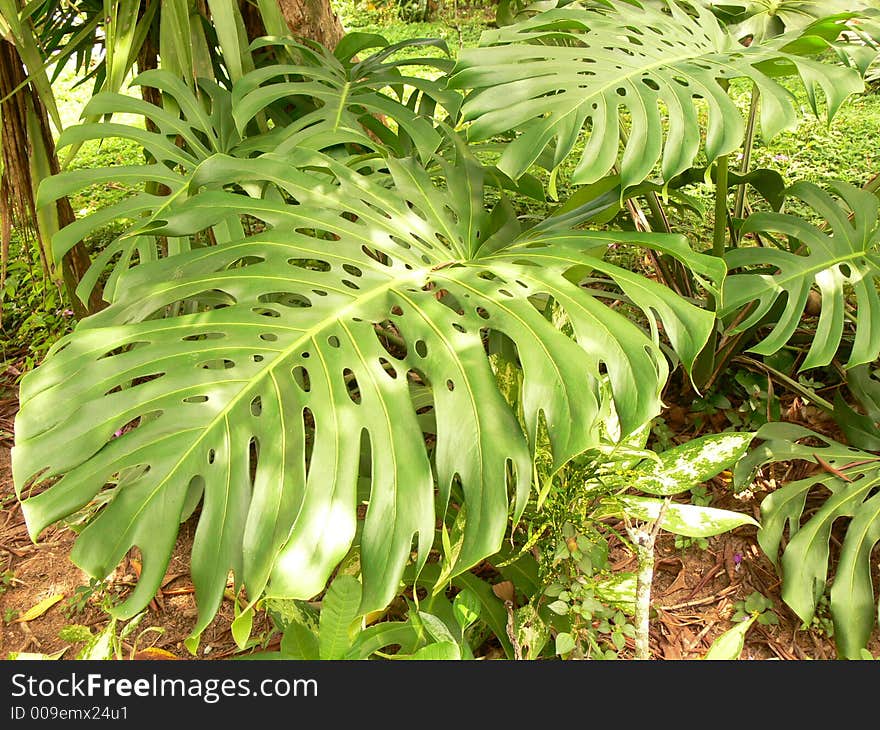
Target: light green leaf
(618, 589)
(232, 36)
(559, 607)
(241, 626)
(847, 480)
(382, 635)
(730, 644)
(299, 642)
(466, 607)
(339, 610)
(347, 95)
(492, 609)
(441, 651)
(101, 646)
(438, 630)
(564, 643)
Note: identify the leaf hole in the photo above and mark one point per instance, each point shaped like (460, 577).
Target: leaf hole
(222, 364)
(243, 261)
(301, 378)
(204, 336)
(310, 264)
(388, 368)
(309, 430)
(390, 339)
(253, 458)
(285, 299)
(122, 349)
(351, 384)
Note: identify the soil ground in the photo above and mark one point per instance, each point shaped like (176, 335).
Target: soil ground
(694, 591)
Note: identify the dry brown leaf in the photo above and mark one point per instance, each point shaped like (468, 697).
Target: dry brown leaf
(679, 583)
(670, 650)
(504, 590)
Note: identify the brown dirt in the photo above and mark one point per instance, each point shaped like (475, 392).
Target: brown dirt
(694, 592)
(43, 570)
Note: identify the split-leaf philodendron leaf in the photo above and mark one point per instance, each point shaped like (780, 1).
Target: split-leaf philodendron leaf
(839, 256)
(586, 66)
(797, 540)
(271, 379)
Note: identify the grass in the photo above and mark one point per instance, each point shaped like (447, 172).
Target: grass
(459, 25)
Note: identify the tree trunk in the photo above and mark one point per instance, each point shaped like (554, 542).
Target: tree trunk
(313, 19)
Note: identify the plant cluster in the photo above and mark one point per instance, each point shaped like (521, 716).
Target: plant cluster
(329, 335)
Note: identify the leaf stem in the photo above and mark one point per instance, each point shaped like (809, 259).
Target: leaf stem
(676, 278)
(748, 141)
(719, 233)
(797, 387)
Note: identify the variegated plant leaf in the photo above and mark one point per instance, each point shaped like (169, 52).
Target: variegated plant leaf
(680, 519)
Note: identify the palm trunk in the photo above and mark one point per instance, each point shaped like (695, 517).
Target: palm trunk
(313, 19)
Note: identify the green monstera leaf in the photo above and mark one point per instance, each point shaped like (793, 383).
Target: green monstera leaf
(199, 132)
(325, 97)
(839, 256)
(847, 481)
(274, 380)
(326, 101)
(585, 67)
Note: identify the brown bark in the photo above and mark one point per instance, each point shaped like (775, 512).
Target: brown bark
(313, 19)
(147, 59)
(253, 21)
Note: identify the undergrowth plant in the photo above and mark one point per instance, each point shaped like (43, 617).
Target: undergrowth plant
(330, 334)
